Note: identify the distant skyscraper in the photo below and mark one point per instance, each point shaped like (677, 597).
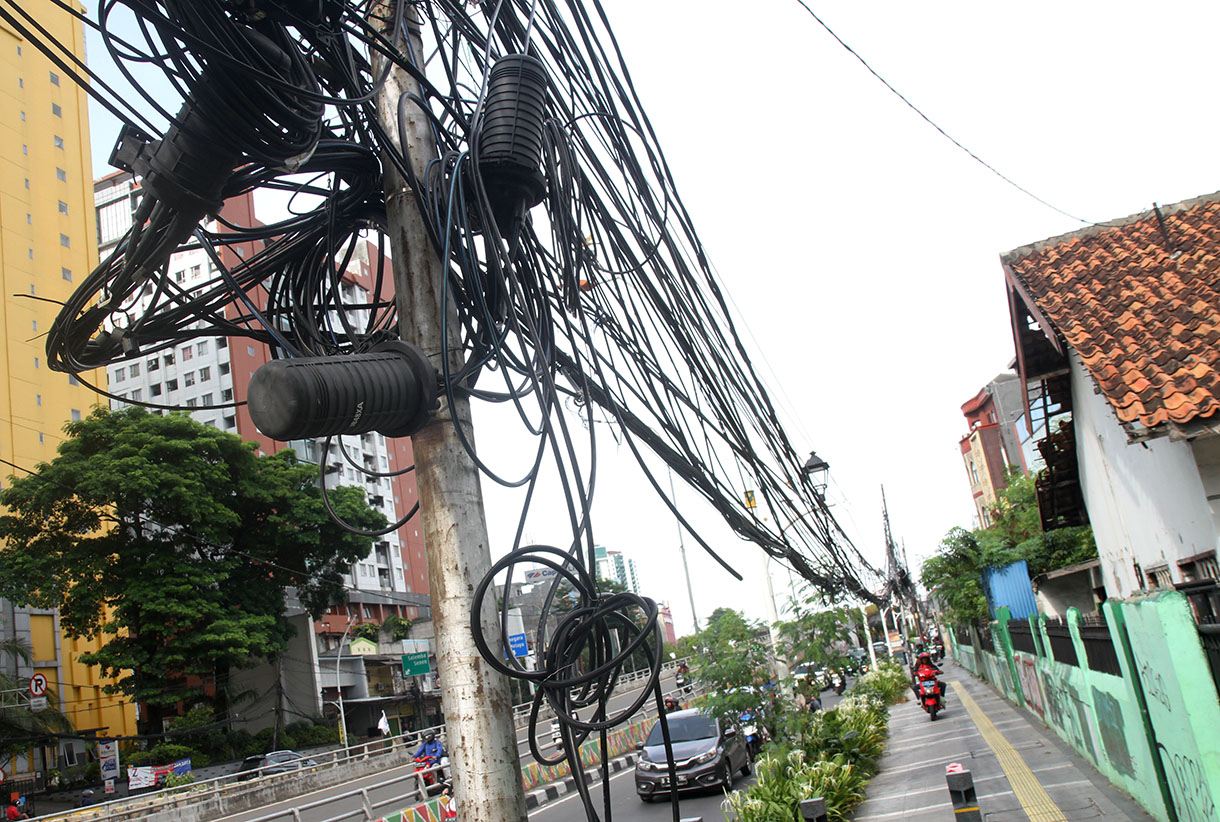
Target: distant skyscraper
(616, 566)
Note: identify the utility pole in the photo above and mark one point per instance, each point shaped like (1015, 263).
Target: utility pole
(868, 638)
(781, 665)
(478, 707)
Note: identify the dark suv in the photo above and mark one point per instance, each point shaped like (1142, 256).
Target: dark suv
(706, 754)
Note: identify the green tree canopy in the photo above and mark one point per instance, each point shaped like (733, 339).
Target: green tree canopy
(954, 574)
(732, 663)
(174, 542)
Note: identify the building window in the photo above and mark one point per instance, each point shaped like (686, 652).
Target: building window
(135, 369)
(222, 343)
(119, 375)
(224, 369)
(72, 380)
(30, 254)
(25, 149)
(38, 399)
(23, 116)
(179, 276)
(29, 218)
(192, 402)
(171, 385)
(40, 438)
(187, 353)
(226, 395)
(188, 379)
(59, 141)
(27, 182)
(57, 110)
(34, 323)
(61, 175)
(135, 395)
(153, 364)
(206, 399)
(75, 415)
(36, 364)
(202, 348)
(154, 390)
(65, 240)
(205, 374)
(54, 79)
(169, 358)
(250, 350)
(20, 82)
(230, 421)
(66, 273)
(63, 207)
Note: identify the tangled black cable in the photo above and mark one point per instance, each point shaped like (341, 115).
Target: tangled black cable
(574, 274)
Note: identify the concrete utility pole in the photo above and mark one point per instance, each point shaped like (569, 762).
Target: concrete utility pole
(478, 707)
(781, 665)
(868, 638)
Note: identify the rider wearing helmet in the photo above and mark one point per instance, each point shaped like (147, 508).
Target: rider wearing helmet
(924, 669)
(432, 749)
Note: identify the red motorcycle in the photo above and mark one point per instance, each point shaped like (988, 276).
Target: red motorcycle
(432, 776)
(929, 691)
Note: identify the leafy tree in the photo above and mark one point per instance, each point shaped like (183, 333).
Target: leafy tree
(366, 630)
(954, 574)
(174, 542)
(399, 627)
(822, 638)
(732, 662)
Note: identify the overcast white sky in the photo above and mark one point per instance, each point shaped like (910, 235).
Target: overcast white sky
(860, 246)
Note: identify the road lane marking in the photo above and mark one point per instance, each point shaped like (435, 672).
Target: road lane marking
(1034, 799)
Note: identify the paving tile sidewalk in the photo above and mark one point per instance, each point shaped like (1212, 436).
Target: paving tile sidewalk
(910, 786)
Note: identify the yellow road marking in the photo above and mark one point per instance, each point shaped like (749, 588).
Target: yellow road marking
(1034, 799)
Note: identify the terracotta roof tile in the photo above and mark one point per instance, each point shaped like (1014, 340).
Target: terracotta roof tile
(1140, 306)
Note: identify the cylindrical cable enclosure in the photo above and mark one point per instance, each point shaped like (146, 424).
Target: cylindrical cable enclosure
(510, 134)
(391, 390)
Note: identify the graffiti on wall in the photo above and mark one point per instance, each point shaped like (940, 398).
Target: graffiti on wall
(1112, 728)
(1188, 785)
(1066, 713)
(1030, 686)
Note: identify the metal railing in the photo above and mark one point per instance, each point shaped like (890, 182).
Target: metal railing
(368, 808)
(521, 713)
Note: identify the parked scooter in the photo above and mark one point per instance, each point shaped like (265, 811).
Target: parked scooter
(753, 733)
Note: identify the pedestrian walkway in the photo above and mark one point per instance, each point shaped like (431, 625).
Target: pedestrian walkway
(1021, 770)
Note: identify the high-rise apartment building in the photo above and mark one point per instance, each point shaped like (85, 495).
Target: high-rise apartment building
(391, 580)
(47, 246)
(616, 566)
(214, 371)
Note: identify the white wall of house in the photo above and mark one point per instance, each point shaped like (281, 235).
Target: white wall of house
(1146, 502)
(1207, 457)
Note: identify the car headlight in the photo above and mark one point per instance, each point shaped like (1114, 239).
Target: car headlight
(648, 765)
(708, 756)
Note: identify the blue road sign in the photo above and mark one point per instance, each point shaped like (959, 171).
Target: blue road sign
(518, 644)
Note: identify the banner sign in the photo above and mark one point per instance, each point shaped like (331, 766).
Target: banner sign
(108, 758)
(153, 776)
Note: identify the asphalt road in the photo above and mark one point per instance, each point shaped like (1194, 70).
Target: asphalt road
(626, 805)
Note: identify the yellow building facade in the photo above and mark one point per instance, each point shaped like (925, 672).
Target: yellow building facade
(48, 245)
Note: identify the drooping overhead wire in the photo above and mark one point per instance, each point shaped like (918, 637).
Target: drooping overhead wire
(578, 284)
(934, 124)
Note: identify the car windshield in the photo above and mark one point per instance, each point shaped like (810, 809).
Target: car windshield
(684, 729)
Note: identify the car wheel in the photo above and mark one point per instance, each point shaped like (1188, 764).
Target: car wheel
(745, 765)
(646, 798)
(726, 775)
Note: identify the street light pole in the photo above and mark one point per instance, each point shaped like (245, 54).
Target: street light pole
(339, 687)
(690, 592)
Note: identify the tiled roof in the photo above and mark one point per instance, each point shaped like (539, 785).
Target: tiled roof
(1140, 305)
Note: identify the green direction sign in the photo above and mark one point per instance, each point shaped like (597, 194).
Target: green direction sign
(415, 664)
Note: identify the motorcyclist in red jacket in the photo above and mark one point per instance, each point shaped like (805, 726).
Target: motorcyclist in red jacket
(924, 669)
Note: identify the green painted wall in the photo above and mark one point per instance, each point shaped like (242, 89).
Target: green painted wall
(1154, 731)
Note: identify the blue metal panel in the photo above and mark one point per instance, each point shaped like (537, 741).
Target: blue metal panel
(1009, 585)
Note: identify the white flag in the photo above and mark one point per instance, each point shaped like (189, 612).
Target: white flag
(383, 725)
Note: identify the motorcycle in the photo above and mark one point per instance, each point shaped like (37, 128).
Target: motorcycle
(682, 681)
(432, 776)
(838, 682)
(930, 697)
(753, 735)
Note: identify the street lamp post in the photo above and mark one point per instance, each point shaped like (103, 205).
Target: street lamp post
(690, 592)
(339, 688)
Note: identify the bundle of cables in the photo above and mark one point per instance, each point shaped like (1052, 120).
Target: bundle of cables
(580, 290)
